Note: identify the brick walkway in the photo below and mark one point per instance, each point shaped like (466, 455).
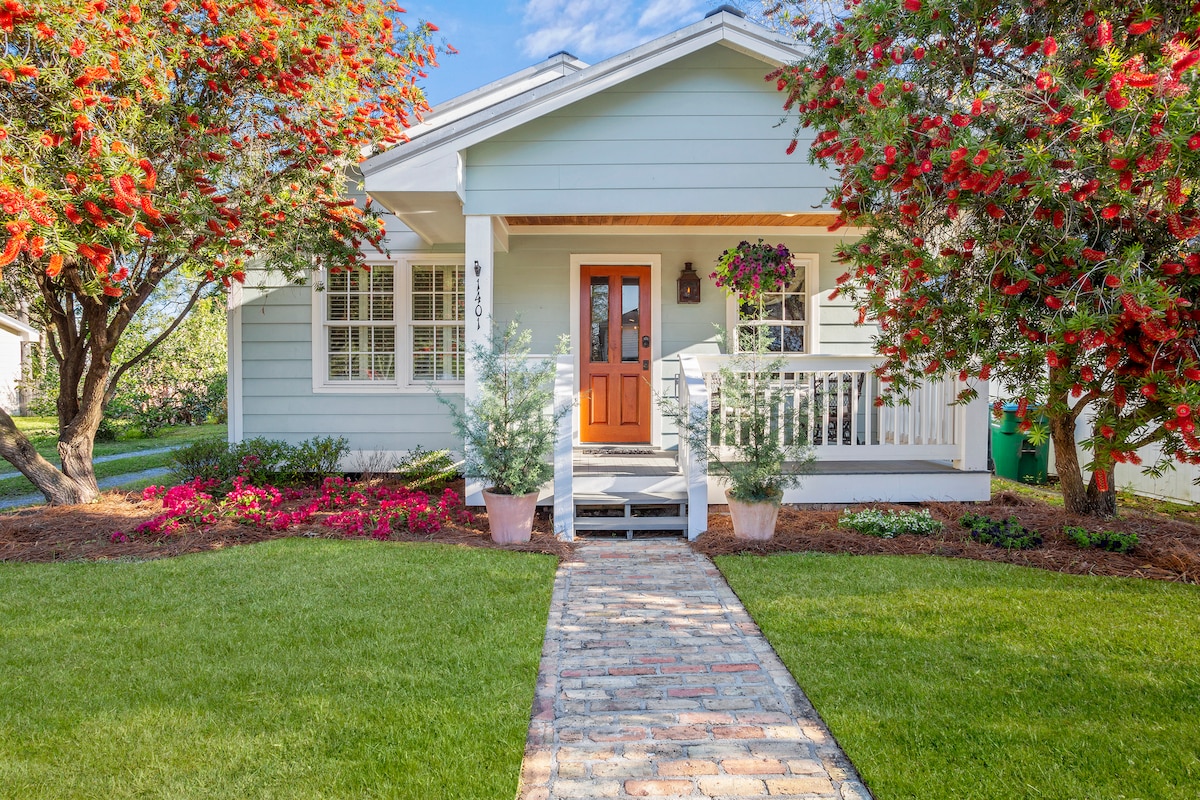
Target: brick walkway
(654, 682)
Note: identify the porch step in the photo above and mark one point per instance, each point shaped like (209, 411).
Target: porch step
(631, 512)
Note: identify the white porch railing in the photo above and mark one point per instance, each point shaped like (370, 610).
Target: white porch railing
(564, 490)
(829, 403)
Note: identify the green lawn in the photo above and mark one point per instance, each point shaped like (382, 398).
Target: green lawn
(44, 433)
(960, 679)
(291, 669)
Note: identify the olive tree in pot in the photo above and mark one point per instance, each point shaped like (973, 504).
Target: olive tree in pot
(508, 431)
(755, 437)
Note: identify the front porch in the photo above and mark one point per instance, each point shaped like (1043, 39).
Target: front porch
(926, 450)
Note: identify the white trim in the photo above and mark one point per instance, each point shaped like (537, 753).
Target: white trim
(234, 413)
(677, 230)
(812, 275)
(402, 319)
(654, 262)
(26, 333)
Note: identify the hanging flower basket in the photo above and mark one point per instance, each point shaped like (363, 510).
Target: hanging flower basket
(750, 270)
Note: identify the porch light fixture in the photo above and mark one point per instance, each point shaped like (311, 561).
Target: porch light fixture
(689, 285)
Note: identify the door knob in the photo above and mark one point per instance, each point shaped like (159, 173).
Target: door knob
(645, 341)
(645, 363)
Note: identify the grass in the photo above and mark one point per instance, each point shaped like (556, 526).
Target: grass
(19, 486)
(44, 433)
(1126, 501)
(291, 669)
(956, 679)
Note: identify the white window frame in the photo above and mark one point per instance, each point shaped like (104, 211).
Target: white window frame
(402, 318)
(807, 265)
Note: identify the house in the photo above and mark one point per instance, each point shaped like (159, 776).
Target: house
(551, 193)
(15, 338)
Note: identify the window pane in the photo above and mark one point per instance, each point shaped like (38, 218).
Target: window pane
(630, 318)
(793, 307)
(362, 353)
(599, 312)
(780, 318)
(438, 295)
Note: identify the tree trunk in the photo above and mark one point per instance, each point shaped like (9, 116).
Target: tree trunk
(1078, 498)
(58, 487)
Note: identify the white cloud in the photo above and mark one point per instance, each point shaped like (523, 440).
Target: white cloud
(597, 29)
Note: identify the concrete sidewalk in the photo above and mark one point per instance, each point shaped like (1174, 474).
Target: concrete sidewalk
(654, 682)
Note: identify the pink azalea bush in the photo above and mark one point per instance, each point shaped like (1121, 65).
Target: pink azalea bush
(349, 508)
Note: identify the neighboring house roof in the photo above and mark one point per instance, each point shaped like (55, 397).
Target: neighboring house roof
(422, 181)
(18, 328)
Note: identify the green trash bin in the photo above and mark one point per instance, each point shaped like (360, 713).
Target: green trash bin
(1015, 457)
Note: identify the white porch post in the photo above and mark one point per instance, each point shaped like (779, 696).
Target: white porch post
(972, 434)
(480, 264)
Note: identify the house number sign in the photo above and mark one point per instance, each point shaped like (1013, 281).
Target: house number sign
(478, 299)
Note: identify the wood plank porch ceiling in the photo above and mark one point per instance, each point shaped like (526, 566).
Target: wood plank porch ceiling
(682, 220)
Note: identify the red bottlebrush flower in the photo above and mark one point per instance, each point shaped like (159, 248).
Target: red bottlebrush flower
(1119, 163)
(1052, 359)
(55, 266)
(912, 5)
(143, 231)
(791, 148)
(1144, 26)
(1112, 281)
(985, 372)
(72, 214)
(1058, 219)
(1116, 101)
(881, 171)
(215, 226)
(994, 211)
(1101, 480)
(113, 291)
(960, 120)
(980, 157)
(1049, 47)
(1150, 390)
(1017, 288)
(1053, 303)
(1107, 431)
(1111, 212)
(1094, 255)
(1183, 410)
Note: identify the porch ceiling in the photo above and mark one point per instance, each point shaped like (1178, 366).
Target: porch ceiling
(678, 220)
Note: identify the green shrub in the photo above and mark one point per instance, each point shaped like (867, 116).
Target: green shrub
(890, 524)
(421, 468)
(260, 460)
(1111, 541)
(1009, 534)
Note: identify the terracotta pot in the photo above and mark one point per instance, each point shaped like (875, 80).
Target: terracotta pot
(510, 516)
(755, 520)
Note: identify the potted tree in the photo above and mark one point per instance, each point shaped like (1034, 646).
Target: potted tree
(757, 439)
(508, 432)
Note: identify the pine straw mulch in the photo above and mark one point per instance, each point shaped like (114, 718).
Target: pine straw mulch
(73, 533)
(1168, 549)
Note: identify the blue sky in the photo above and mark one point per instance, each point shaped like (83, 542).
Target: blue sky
(498, 37)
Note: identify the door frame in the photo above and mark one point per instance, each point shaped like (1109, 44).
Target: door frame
(654, 262)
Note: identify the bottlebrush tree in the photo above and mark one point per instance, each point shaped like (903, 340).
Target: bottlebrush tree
(185, 137)
(1027, 176)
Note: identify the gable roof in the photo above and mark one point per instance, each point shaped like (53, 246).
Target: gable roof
(494, 109)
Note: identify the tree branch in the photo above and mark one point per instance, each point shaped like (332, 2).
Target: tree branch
(145, 351)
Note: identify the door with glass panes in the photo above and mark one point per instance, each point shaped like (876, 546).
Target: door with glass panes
(614, 376)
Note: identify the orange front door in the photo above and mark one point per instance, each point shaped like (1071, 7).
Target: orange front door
(614, 376)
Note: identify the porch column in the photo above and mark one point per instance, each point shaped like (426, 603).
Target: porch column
(973, 433)
(480, 264)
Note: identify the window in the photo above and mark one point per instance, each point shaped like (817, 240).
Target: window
(783, 316)
(397, 325)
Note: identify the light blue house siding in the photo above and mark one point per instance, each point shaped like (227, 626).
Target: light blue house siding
(698, 135)
(532, 282)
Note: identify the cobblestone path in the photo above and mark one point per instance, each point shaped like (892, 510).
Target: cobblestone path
(654, 682)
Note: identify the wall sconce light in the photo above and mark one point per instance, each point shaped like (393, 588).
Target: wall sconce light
(478, 269)
(689, 285)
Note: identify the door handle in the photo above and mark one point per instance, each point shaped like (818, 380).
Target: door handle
(645, 363)
(645, 341)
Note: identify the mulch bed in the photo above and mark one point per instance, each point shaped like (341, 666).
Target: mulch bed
(1167, 549)
(69, 533)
